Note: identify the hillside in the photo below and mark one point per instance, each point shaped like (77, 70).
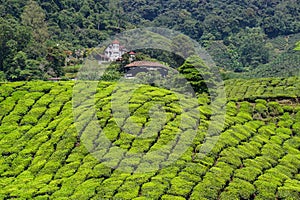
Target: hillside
(242, 36)
(45, 156)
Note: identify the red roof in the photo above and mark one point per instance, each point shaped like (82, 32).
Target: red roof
(116, 42)
(145, 64)
(131, 53)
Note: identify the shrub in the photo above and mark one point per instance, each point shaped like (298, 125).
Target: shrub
(273, 151)
(6, 106)
(248, 150)
(41, 155)
(261, 108)
(42, 180)
(44, 101)
(229, 195)
(289, 192)
(87, 189)
(131, 161)
(6, 90)
(140, 145)
(243, 117)
(108, 186)
(288, 108)
(290, 160)
(285, 123)
(248, 173)
(245, 107)
(229, 121)
(43, 197)
(267, 130)
(275, 108)
(279, 173)
(50, 167)
(153, 189)
(167, 173)
(231, 159)
(296, 128)
(171, 197)
(231, 108)
(284, 132)
(101, 170)
(67, 170)
(37, 166)
(18, 95)
(50, 188)
(243, 188)
(205, 190)
(196, 169)
(129, 190)
(180, 186)
(227, 137)
(65, 191)
(266, 187)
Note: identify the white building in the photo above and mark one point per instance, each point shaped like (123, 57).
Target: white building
(114, 51)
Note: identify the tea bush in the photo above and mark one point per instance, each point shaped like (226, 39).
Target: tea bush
(44, 152)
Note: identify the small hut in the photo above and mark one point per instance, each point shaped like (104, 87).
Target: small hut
(132, 69)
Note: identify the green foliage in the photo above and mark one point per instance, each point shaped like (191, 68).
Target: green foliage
(14, 38)
(153, 189)
(170, 197)
(198, 74)
(33, 16)
(251, 47)
(250, 90)
(243, 188)
(56, 60)
(180, 186)
(297, 48)
(260, 108)
(239, 35)
(248, 173)
(44, 156)
(23, 46)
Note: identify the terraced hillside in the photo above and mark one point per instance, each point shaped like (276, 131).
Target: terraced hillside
(47, 153)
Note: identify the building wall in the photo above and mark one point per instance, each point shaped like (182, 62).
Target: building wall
(114, 52)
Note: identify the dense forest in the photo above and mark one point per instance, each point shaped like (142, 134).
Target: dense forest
(245, 38)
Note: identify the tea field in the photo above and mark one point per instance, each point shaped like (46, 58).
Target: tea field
(50, 151)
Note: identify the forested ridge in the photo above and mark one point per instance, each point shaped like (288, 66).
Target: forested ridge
(248, 37)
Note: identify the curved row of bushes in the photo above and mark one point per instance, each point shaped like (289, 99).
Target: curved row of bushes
(50, 150)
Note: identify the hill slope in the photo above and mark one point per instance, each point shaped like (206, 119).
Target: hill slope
(242, 36)
(43, 155)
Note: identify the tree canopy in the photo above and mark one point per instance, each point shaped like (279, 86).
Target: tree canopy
(246, 33)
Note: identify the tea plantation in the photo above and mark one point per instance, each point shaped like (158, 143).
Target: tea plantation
(47, 151)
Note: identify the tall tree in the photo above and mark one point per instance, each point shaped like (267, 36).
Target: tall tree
(13, 40)
(56, 60)
(198, 74)
(33, 17)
